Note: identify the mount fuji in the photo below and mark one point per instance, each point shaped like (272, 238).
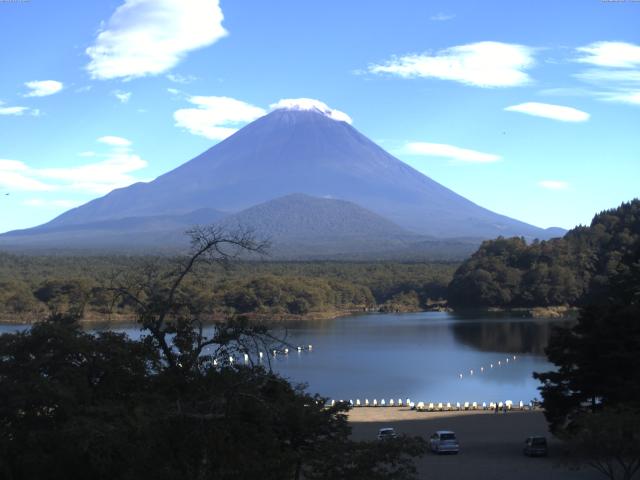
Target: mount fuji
(302, 149)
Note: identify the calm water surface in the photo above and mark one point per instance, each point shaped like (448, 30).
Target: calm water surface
(416, 355)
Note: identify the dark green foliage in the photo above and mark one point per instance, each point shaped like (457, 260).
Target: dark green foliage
(572, 270)
(608, 441)
(32, 285)
(592, 398)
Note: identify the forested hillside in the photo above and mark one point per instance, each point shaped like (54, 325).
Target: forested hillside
(572, 270)
(32, 287)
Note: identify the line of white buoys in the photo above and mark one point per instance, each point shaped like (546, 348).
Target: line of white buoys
(505, 405)
(491, 365)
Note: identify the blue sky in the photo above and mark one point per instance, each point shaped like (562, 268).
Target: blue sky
(531, 109)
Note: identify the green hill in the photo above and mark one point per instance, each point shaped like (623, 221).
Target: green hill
(575, 269)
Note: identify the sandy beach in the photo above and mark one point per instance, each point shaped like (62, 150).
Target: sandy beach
(490, 444)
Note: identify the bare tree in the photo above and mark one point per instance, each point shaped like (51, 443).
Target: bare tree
(171, 316)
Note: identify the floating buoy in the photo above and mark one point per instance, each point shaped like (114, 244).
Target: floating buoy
(310, 347)
(471, 372)
(481, 369)
(260, 354)
(299, 348)
(286, 351)
(492, 365)
(246, 358)
(230, 359)
(460, 375)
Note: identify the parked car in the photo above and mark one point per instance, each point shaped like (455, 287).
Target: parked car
(386, 433)
(535, 447)
(444, 441)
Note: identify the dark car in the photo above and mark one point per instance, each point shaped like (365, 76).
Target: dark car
(387, 433)
(535, 447)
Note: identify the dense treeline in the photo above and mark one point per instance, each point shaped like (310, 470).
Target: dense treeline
(510, 273)
(34, 286)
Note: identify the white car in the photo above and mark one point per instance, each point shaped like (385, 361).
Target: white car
(444, 441)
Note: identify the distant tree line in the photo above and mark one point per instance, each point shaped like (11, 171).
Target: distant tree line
(33, 286)
(571, 270)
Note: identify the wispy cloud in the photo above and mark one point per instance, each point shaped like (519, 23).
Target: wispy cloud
(451, 152)
(610, 54)
(216, 118)
(548, 110)
(60, 203)
(483, 64)
(182, 79)
(115, 141)
(149, 37)
(123, 97)
(554, 184)
(13, 110)
(15, 175)
(43, 88)
(442, 17)
(18, 110)
(113, 170)
(617, 78)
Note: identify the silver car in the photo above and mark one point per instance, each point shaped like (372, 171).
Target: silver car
(444, 441)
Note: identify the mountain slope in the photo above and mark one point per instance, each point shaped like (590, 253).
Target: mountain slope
(289, 151)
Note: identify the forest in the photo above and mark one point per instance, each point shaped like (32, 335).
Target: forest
(573, 270)
(33, 287)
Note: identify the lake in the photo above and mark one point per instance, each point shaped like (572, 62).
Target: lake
(415, 355)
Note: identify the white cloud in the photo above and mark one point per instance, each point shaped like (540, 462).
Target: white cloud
(13, 110)
(441, 17)
(630, 97)
(113, 170)
(554, 184)
(450, 151)
(483, 64)
(216, 118)
(123, 97)
(114, 141)
(15, 175)
(313, 105)
(617, 78)
(149, 37)
(42, 88)
(548, 110)
(183, 79)
(610, 54)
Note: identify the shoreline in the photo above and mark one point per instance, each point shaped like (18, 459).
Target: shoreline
(552, 312)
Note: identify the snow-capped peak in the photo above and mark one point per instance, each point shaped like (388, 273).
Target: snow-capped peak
(312, 105)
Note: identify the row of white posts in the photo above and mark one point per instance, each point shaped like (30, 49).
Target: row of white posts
(438, 407)
(274, 352)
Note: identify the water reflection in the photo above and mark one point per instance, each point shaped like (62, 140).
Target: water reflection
(520, 336)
